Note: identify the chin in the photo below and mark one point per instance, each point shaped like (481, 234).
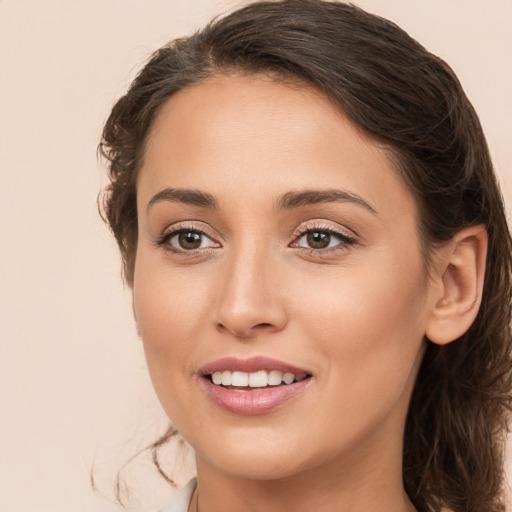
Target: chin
(263, 468)
(254, 460)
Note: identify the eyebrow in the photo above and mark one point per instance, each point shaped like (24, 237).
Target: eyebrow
(184, 195)
(287, 201)
(297, 199)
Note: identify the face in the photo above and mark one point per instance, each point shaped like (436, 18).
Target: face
(279, 286)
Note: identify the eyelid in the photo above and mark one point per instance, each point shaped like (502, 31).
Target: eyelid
(345, 235)
(322, 225)
(196, 226)
(347, 238)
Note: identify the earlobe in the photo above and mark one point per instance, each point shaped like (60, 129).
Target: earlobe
(460, 272)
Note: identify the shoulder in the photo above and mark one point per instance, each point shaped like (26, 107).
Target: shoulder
(180, 501)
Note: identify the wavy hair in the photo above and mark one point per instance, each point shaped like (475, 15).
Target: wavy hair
(411, 102)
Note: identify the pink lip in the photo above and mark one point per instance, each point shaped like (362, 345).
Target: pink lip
(251, 402)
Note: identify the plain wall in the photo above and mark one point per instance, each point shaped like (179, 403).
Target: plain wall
(73, 385)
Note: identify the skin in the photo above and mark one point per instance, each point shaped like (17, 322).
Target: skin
(353, 314)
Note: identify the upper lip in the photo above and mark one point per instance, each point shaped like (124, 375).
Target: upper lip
(250, 365)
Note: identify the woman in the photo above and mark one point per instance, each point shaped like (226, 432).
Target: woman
(305, 205)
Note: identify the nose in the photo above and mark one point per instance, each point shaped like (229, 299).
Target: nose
(250, 298)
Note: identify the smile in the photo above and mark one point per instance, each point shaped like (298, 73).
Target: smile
(254, 386)
(259, 379)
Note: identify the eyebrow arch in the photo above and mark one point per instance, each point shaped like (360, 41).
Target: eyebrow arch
(297, 199)
(184, 195)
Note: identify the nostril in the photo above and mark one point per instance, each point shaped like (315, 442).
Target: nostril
(245, 333)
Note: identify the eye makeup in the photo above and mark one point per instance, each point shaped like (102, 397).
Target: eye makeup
(187, 238)
(191, 238)
(318, 236)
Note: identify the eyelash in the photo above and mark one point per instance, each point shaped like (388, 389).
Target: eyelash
(343, 238)
(164, 239)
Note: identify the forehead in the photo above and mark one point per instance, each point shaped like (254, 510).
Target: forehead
(240, 133)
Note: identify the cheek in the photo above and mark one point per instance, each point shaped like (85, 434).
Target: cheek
(168, 302)
(368, 325)
(171, 311)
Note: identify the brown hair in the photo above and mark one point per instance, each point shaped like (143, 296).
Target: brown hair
(411, 102)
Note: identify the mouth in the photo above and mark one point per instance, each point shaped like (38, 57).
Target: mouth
(254, 386)
(245, 381)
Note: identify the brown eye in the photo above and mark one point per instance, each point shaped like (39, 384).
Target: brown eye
(189, 240)
(183, 240)
(318, 239)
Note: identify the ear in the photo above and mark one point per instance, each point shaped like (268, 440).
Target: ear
(135, 317)
(458, 282)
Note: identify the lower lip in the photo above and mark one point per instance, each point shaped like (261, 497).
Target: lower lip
(253, 402)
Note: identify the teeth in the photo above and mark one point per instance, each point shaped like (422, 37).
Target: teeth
(288, 378)
(226, 378)
(259, 379)
(240, 379)
(274, 378)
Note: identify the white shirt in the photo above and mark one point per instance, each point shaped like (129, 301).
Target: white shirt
(181, 501)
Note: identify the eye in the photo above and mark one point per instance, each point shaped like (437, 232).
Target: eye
(182, 240)
(318, 239)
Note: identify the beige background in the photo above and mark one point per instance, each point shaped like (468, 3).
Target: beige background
(74, 389)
